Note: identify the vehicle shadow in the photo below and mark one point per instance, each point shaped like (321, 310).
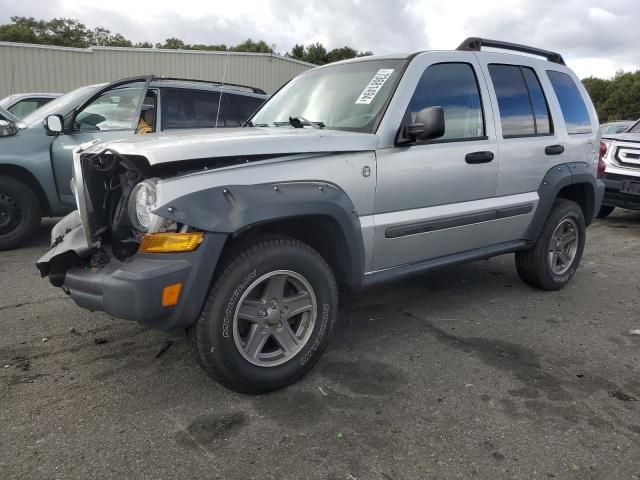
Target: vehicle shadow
(622, 218)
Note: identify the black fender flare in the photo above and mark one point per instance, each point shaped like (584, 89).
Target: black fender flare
(557, 178)
(234, 208)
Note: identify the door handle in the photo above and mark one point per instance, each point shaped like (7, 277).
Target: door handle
(554, 150)
(478, 157)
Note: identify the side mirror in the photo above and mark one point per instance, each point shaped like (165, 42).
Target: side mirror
(7, 128)
(429, 124)
(54, 124)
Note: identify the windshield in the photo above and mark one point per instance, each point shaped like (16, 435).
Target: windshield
(635, 128)
(349, 96)
(61, 105)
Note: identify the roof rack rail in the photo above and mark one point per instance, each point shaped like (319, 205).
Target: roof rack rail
(475, 44)
(234, 86)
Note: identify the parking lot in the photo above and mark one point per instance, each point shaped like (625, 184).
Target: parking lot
(462, 373)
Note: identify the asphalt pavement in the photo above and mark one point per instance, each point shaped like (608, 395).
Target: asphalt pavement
(462, 373)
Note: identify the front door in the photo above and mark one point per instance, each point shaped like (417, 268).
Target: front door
(437, 198)
(116, 113)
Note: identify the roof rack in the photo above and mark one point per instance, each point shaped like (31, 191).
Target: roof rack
(233, 86)
(474, 44)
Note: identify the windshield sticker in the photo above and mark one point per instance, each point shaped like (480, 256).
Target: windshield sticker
(376, 83)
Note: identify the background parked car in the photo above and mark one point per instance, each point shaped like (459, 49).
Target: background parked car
(22, 104)
(618, 126)
(622, 172)
(35, 164)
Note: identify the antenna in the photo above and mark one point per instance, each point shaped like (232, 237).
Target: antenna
(13, 74)
(224, 74)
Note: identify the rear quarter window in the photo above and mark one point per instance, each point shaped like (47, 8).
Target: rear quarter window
(574, 110)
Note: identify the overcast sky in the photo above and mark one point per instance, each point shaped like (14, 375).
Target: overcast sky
(595, 37)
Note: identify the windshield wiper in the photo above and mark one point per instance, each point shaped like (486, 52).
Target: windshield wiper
(300, 122)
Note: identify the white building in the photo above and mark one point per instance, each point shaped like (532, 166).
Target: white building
(43, 68)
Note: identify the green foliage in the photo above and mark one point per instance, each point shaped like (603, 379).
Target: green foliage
(317, 54)
(68, 32)
(615, 99)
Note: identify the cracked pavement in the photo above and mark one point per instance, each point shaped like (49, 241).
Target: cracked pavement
(461, 373)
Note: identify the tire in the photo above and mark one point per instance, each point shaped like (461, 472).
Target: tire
(222, 334)
(605, 211)
(537, 266)
(20, 212)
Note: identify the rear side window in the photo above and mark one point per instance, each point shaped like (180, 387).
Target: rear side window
(523, 106)
(244, 106)
(574, 110)
(195, 109)
(452, 86)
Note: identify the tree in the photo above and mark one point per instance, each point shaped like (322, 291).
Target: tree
(343, 53)
(172, 43)
(104, 38)
(251, 46)
(64, 32)
(316, 53)
(615, 99)
(297, 52)
(68, 32)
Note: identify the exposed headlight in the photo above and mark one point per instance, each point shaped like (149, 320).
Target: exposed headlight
(141, 202)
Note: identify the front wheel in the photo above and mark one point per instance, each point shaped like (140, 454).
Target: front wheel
(554, 258)
(268, 317)
(20, 213)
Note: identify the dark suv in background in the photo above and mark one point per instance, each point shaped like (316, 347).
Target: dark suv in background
(35, 163)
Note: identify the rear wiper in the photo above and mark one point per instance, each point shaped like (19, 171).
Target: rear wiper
(300, 122)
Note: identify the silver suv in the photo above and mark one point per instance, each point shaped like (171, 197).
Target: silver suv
(354, 173)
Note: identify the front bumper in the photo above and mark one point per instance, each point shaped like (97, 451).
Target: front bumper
(617, 193)
(132, 289)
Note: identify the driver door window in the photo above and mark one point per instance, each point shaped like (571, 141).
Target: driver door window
(113, 110)
(454, 87)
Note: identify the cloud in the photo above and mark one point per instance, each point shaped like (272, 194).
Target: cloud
(592, 39)
(595, 38)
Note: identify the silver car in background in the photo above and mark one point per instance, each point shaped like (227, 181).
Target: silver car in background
(22, 104)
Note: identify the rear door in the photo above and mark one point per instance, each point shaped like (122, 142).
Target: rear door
(435, 198)
(528, 124)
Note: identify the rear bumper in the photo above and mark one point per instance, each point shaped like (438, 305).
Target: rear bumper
(615, 194)
(132, 289)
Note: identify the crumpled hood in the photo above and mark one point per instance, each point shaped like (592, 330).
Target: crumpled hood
(232, 142)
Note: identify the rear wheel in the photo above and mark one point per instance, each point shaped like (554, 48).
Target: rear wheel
(268, 317)
(19, 212)
(554, 258)
(605, 211)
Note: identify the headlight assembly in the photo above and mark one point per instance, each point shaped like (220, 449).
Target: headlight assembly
(141, 202)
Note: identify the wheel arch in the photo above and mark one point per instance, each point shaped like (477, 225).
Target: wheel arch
(573, 181)
(316, 213)
(24, 175)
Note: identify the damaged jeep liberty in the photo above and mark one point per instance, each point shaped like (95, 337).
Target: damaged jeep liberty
(353, 173)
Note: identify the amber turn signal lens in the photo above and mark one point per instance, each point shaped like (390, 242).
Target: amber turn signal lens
(171, 294)
(170, 242)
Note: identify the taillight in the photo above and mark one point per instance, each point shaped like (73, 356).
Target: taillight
(601, 165)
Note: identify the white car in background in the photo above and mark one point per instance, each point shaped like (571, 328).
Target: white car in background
(22, 104)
